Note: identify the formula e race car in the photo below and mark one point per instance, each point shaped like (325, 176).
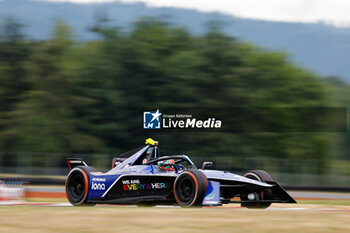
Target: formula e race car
(144, 178)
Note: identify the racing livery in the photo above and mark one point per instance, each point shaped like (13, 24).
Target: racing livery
(145, 178)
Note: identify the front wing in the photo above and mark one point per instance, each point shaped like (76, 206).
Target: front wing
(213, 197)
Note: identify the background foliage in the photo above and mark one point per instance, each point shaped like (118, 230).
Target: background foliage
(66, 96)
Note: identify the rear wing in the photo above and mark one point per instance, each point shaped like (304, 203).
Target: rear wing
(74, 162)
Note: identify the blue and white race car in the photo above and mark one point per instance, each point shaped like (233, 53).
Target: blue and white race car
(144, 178)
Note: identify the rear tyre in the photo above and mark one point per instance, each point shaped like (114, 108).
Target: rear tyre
(189, 188)
(267, 194)
(77, 185)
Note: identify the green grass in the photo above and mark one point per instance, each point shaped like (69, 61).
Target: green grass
(51, 200)
(326, 202)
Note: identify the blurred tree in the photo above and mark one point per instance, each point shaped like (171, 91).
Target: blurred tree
(14, 52)
(99, 83)
(62, 95)
(44, 118)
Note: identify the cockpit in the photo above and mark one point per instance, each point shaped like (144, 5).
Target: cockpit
(150, 155)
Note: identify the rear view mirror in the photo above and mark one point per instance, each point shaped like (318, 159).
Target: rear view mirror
(207, 165)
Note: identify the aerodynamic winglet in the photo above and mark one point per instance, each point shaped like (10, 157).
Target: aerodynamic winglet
(74, 162)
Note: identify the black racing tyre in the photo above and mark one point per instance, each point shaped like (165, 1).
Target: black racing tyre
(267, 194)
(190, 187)
(205, 180)
(77, 185)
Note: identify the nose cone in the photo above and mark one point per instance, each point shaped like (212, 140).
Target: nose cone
(221, 175)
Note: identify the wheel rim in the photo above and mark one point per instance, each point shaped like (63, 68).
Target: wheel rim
(185, 190)
(76, 187)
(259, 196)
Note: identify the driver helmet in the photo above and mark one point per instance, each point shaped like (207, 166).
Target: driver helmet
(149, 155)
(164, 167)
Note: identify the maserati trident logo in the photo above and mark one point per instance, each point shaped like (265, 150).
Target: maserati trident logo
(152, 120)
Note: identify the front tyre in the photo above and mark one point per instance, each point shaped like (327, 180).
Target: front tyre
(77, 186)
(261, 176)
(189, 188)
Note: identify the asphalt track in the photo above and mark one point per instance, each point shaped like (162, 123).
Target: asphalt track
(59, 192)
(319, 195)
